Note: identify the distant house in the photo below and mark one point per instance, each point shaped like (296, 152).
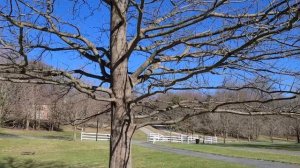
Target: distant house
(42, 112)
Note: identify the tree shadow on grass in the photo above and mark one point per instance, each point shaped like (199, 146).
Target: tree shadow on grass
(67, 138)
(59, 137)
(6, 135)
(11, 162)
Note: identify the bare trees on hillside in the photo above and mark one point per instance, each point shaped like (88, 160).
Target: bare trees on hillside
(7, 100)
(236, 124)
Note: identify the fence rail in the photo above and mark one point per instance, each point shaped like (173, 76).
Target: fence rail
(94, 136)
(210, 140)
(155, 137)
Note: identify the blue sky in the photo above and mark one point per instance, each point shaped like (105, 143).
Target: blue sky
(90, 25)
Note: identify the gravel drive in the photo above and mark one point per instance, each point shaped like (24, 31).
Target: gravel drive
(242, 161)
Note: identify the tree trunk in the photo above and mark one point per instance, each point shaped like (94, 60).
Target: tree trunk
(224, 136)
(121, 134)
(297, 129)
(38, 126)
(27, 123)
(298, 136)
(298, 132)
(35, 118)
(252, 129)
(1, 118)
(52, 126)
(14, 124)
(257, 132)
(83, 127)
(122, 127)
(97, 129)
(74, 132)
(271, 137)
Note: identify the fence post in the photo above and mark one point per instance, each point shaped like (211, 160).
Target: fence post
(181, 138)
(81, 134)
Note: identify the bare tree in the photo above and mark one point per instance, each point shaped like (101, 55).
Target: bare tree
(297, 128)
(147, 47)
(8, 94)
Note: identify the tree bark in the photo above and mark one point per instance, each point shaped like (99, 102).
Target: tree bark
(257, 132)
(298, 136)
(122, 127)
(224, 136)
(271, 137)
(298, 130)
(1, 118)
(121, 135)
(52, 126)
(35, 119)
(27, 124)
(97, 129)
(74, 132)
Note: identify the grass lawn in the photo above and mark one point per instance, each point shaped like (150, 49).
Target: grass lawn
(237, 150)
(280, 145)
(70, 154)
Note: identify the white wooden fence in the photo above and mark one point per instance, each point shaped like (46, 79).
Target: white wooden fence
(210, 139)
(92, 136)
(155, 137)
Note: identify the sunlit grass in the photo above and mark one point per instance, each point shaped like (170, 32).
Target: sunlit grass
(67, 154)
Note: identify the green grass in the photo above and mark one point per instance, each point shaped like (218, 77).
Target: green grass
(51, 151)
(145, 158)
(236, 150)
(139, 135)
(280, 145)
(264, 138)
(69, 154)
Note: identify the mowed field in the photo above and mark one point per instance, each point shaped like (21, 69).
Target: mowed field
(280, 152)
(60, 152)
(35, 149)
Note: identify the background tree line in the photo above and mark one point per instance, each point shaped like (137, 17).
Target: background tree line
(20, 103)
(21, 106)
